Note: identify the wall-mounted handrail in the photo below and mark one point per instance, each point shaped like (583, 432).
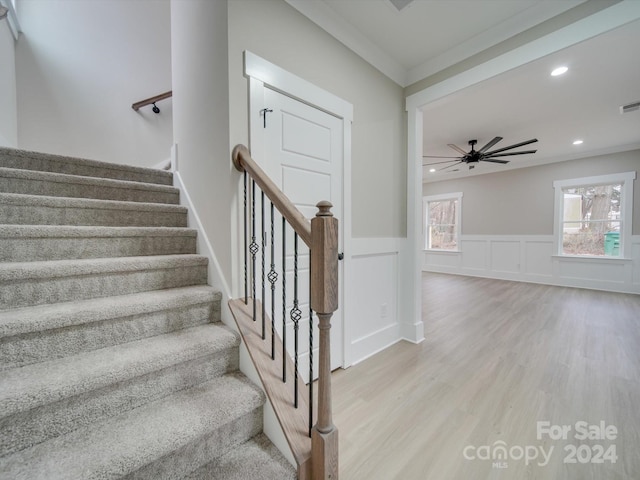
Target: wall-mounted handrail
(314, 446)
(151, 100)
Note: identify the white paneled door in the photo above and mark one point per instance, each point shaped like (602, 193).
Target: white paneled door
(304, 157)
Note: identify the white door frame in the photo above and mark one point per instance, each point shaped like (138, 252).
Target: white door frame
(600, 22)
(263, 74)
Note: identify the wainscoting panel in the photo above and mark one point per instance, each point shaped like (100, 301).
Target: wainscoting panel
(505, 256)
(635, 249)
(371, 315)
(443, 259)
(585, 269)
(537, 258)
(474, 255)
(530, 258)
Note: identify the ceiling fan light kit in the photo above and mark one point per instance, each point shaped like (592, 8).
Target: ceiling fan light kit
(482, 155)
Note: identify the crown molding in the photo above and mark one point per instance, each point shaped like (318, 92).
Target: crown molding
(323, 16)
(320, 14)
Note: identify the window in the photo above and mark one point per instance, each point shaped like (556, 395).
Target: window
(442, 221)
(593, 215)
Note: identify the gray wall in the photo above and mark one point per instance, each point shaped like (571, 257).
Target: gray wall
(520, 201)
(201, 119)
(80, 65)
(278, 33)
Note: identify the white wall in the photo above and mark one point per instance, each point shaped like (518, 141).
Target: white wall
(80, 66)
(507, 228)
(8, 99)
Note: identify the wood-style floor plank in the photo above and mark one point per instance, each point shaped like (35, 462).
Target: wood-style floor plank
(497, 358)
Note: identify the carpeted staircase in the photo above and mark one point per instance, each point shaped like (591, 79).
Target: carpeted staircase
(113, 361)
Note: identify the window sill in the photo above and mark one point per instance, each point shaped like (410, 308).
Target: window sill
(589, 258)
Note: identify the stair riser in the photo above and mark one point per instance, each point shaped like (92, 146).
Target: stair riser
(14, 214)
(256, 455)
(203, 451)
(47, 248)
(39, 291)
(79, 190)
(57, 164)
(37, 425)
(31, 348)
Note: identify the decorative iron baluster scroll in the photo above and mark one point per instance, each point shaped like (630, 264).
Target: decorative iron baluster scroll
(284, 298)
(246, 241)
(264, 254)
(253, 247)
(273, 278)
(296, 315)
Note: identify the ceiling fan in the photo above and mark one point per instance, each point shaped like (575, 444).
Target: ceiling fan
(482, 155)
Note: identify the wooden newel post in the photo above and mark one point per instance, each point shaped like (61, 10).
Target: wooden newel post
(324, 301)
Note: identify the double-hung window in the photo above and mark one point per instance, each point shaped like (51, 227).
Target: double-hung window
(593, 215)
(442, 215)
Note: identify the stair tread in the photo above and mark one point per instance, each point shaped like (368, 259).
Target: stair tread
(127, 406)
(30, 386)
(71, 202)
(84, 180)
(65, 231)
(14, 271)
(128, 442)
(256, 458)
(53, 316)
(8, 155)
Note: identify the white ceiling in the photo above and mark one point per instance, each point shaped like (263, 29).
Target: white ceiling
(429, 35)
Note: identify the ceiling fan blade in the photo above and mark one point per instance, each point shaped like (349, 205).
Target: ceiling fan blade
(524, 152)
(449, 166)
(512, 146)
(493, 161)
(438, 163)
(456, 148)
(490, 144)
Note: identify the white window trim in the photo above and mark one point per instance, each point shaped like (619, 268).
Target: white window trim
(626, 202)
(435, 198)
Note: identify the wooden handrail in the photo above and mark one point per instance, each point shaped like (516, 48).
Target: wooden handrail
(242, 161)
(320, 462)
(151, 100)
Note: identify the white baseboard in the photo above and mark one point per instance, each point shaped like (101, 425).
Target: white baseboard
(373, 343)
(216, 279)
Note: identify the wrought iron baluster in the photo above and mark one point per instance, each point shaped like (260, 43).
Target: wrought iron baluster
(310, 354)
(273, 278)
(296, 314)
(263, 255)
(246, 242)
(284, 300)
(253, 248)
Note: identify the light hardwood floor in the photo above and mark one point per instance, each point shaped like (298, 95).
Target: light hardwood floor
(497, 358)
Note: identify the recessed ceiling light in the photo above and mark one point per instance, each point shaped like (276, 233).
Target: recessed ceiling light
(559, 71)
(577, 142)
(431, 170)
